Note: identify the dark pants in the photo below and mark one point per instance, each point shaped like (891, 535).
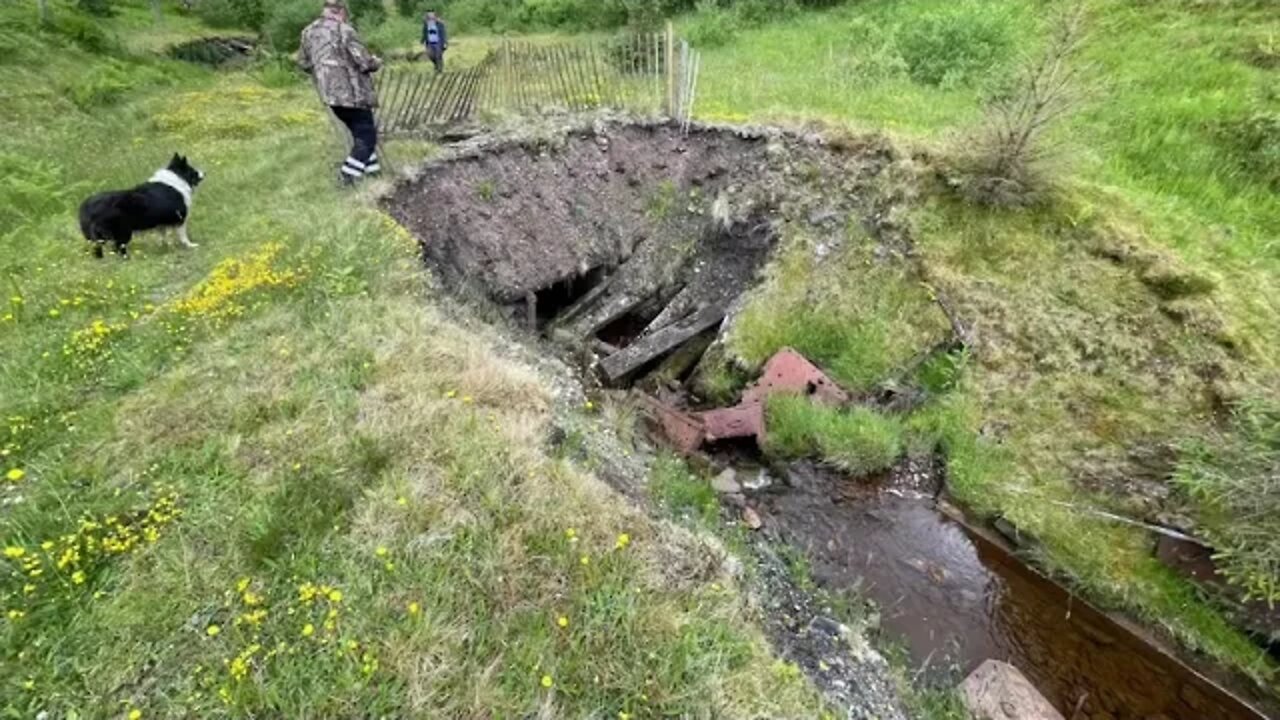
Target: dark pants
(363, 159)
(435, 53)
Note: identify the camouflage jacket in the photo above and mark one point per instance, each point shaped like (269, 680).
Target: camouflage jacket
(343, 68)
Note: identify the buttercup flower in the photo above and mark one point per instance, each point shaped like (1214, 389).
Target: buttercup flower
(547, 681)
(563, 621)
(15, 474)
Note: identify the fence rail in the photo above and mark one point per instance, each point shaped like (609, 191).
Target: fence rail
(648, 73)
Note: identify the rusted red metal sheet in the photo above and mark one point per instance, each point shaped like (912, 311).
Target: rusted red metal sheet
(786, 371)
(746, 420)
(790, 371)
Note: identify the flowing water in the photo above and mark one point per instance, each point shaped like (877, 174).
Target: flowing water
(956, 599)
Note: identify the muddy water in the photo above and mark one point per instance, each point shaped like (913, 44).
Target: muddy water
(956, 600)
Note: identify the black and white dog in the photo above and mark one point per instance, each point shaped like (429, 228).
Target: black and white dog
(163, 202)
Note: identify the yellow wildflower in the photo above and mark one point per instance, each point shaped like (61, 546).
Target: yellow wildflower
(451, 394)
(28, 589)
(571, 533)
(251, 598)
(381, 551)
(77, 577)
(590, 406)
(624, 716)
(308, 630)
(563, 621)
(14, 552)
(335, 595)
(47, 545)
(243, 584)
(402, 502)
(468, 400)
(135, 714)
(29, 684)
(16, 614)
(15, 474)
(623, 541)
(547, 681)
(585, 560)
(212, 630)
(390, 567)
(414, 608)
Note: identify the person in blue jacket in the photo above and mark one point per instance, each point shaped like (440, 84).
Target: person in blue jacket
(436, 40)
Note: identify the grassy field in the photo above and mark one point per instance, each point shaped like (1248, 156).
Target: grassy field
(266, 477)
(272, 477)
(1112, 323)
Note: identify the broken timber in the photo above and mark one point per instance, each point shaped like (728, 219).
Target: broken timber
(649, 347)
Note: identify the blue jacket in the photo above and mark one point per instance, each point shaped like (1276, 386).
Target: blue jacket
(442, 41)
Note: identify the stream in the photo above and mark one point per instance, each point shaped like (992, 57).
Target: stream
(956, 597)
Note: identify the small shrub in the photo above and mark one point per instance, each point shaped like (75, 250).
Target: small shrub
(869, 54)
(712, 25)
(102, 86)
(366, 14)
(283, 26)
(232, 13)
(86, 33)
(100, 8)
(956, 45)
(1236, 480)
(1008, 160)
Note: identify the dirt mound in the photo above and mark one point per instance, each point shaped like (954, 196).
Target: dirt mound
(631, 239)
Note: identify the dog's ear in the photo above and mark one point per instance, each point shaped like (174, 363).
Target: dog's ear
(176, 159)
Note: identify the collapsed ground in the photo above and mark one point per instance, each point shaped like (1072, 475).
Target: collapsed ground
(1061, 369)
(320, 424)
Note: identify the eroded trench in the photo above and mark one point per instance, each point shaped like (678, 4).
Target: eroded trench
(629, 249)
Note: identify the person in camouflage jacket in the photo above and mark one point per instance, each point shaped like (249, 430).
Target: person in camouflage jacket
(343, 70)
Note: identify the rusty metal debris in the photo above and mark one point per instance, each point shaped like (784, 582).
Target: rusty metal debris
(787, 372)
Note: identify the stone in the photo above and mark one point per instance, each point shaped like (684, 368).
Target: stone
(999, 691)
(752, 519)
(726, 483)
(757, 481)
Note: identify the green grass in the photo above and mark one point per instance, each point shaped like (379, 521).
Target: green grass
(280, 436)
(1096, 315)
(857, 440)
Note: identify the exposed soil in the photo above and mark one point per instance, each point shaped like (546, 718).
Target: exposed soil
(631, 240)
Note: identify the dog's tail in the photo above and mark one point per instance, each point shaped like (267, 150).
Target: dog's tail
(90, 226)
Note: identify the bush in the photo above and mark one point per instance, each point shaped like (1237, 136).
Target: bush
(712, 25)
(869, 54)
(956, 45)
(365, 14)
(232, 13)
(96, 7)
(85, 33)
(1235, 480)
(283, 27)
(1009, 159)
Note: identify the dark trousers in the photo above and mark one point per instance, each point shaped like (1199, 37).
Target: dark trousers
(363, 159)
(435, 53)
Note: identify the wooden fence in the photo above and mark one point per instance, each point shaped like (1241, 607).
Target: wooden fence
(646, 73)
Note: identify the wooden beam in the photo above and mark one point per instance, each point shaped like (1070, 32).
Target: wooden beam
(637, 354)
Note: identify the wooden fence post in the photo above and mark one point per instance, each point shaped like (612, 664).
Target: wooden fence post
(671, 68)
